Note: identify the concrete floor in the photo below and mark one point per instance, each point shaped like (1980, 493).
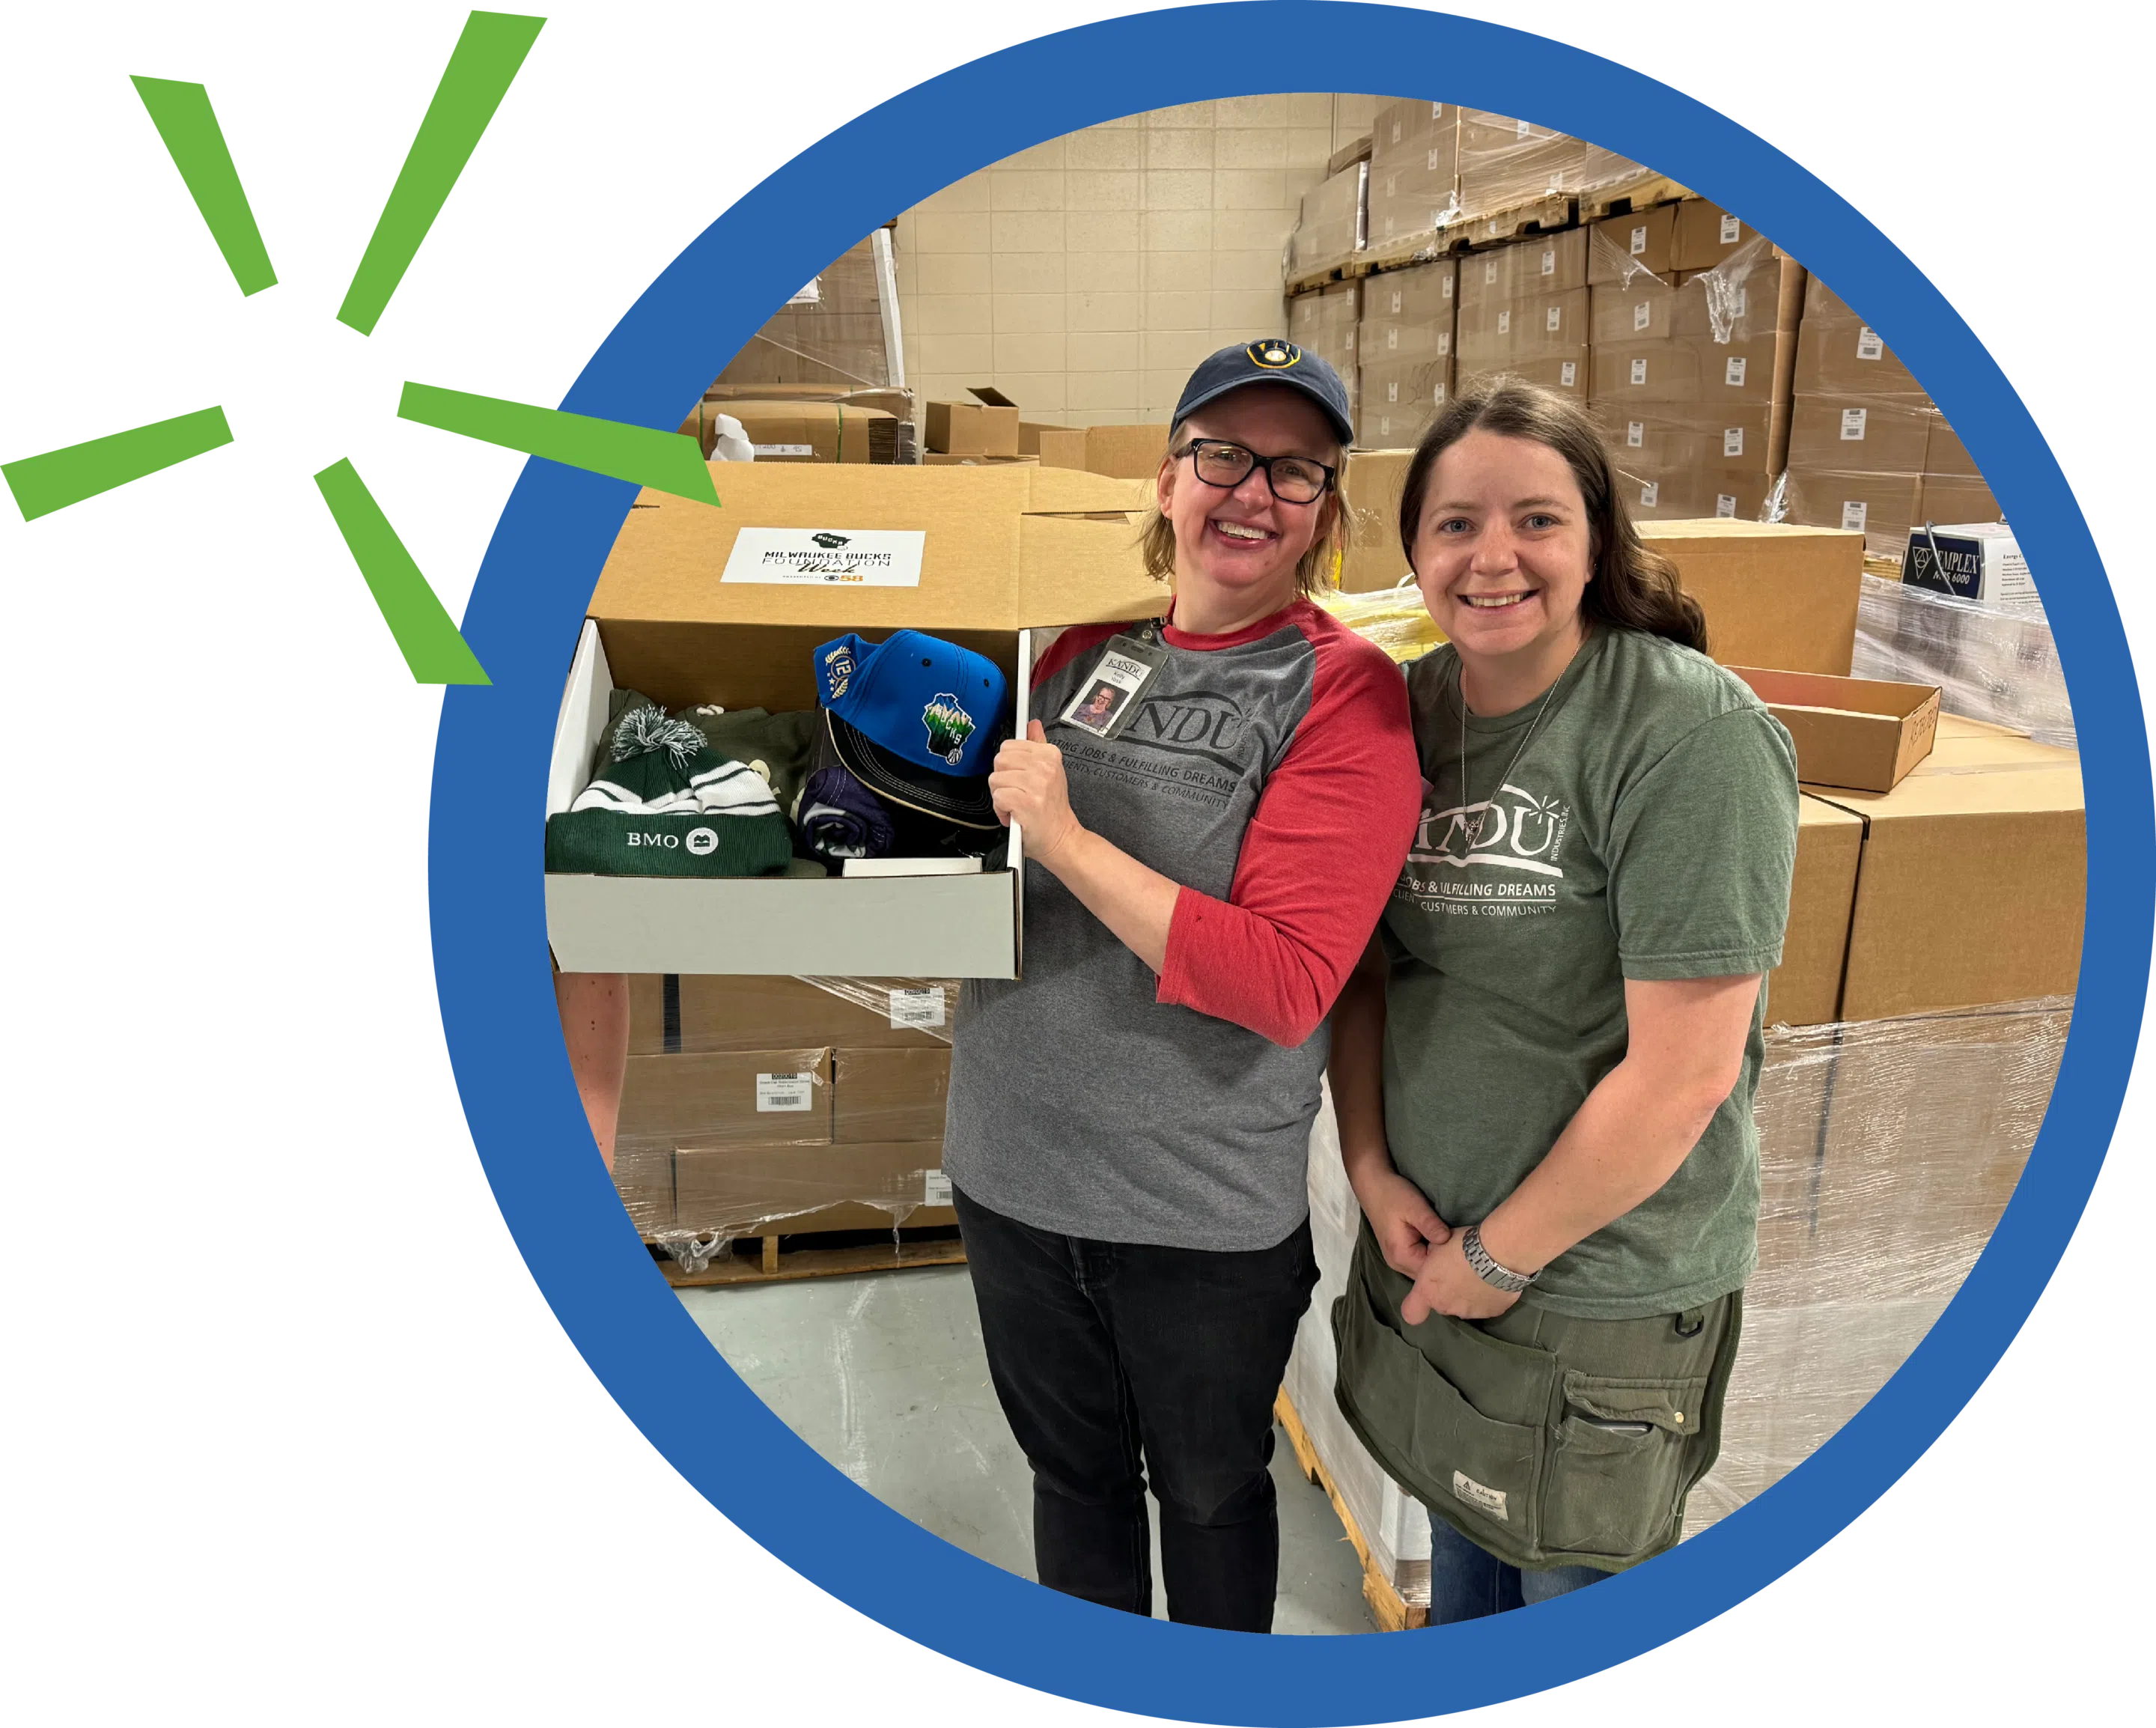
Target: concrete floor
(884, 1375)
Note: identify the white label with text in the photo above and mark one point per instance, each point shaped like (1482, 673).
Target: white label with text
(785, 1092)
(918, 1009)
(810, 558)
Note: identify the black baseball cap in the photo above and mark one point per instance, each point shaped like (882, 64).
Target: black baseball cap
(1273, 361)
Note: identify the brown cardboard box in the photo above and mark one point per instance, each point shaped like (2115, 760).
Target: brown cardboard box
(1805, 990)
(1877, 434)
(1126, 452)
(1399, 400)
(1329, 224)
(1705, 234)
(748, 1011)
(1558, 370)
(794, 431)
(986, 427)
(1634, 373)
(1506, 162)
(1955, 498)
(1057, 447)
(890, 1094)
(1422, 294)
(1945, 454)
(1623, 248)
(1371, 490)
(1972, 882)
(1755, 292)
(727, 1097)
(1775, 594)
(1845, 356)
(1540, 264)
(1640, 311)
(644, 1177)
(1495, 335)
(1737, 372)
(1860, 734)
(797, 1189)
(1414, 169)
(944, 459)
(1880, 506)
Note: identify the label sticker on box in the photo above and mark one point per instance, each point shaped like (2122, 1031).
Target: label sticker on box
(785, 1092)
(1732, 230)
(1493, 230)
(1505, 322)
(918, 1010)
(1549, 260)
(1852, 424)
(1444, 341)
(1853, 512)
(1724, 505)
(1396, 302)
(1489, 270)
(813, 295)
(1650, 493)
(1554, 318)
(1437, 111)
(1733, 374)
(1522, 127)
(1392, 389)
(1635, 434)
(1643, 314)
(1433, 161)
(1640, 371)
(1437, 396)
(935, 1188)
(1568, 375)
(1733, 441)
(784, 449)
(1868, 345)
(811, 557)
(1447, 294)
(1639, 241)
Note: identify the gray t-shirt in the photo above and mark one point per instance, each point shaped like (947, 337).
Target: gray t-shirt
(1647, 831)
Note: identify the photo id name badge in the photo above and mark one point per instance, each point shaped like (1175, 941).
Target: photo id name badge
(1108, 694)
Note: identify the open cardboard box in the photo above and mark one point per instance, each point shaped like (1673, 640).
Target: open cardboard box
(1859, 733)
(702, 605)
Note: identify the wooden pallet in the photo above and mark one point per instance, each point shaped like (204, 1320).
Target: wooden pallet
(778, 1264)
(1311, 280)
(1627, 197)
(1402, 251)
(1542, 215)
(1388, 1607)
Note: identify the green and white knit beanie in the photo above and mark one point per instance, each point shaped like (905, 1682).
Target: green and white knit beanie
(667, 805)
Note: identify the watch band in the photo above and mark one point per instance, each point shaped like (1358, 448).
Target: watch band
(1479, 1262)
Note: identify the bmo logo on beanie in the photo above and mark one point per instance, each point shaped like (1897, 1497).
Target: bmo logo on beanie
(701, 842)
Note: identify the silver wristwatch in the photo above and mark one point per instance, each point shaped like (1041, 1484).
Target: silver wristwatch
(1488, 1270)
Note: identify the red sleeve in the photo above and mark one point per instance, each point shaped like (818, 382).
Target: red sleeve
(1069, 644)
(1322, 851)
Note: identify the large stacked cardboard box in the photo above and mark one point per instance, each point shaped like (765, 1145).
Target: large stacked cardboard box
(1413, 180)
(1523, 310)
(1692, 366)
(1507, 165)
(1323, 322)
(1328, 228)
(1868, 450)
(1404, 344)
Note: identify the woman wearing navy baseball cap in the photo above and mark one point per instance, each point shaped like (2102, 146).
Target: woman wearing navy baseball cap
(1208, 848)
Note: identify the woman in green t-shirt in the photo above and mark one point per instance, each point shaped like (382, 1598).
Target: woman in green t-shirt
(1543, 1071)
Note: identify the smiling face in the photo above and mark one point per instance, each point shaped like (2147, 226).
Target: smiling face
(1503, 553)
(1237, 547)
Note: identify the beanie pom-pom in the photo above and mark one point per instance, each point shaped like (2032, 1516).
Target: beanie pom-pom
(642, 732)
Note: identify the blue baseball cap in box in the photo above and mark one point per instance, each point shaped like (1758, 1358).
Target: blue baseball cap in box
(915, 718)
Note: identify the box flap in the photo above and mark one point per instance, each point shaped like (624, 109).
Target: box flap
(991, 395)
(1824, 690)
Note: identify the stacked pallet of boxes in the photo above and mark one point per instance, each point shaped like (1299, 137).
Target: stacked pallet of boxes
(1913, 1040)
(1323, 321)
(1413, 188)
(1404, 345)
(1328, 229)
(1695, 347)
(1523, 310)
(1868, 450)
(760, 1106)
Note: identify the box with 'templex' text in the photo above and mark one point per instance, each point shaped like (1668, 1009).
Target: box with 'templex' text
(1971, 561)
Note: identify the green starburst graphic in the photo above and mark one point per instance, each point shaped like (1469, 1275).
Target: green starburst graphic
(481, 67)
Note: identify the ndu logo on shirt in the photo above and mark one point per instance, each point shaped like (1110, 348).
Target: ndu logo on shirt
(1497, 858)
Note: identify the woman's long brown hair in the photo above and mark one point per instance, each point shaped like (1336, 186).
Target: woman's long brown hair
(1633, 588)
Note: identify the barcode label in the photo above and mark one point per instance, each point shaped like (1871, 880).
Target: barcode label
(1635, 433)
(784, 1092)
(1733, 374)
(1437, 396)
(1732, 230)
(1852, 514)
(1568, 374)
(1391, 338)
(1549, 260)
(1447, 295)
(1437, 111)
(785, 449)
(918, 1009)
(1640, 371)
(1639, 241)
(1553, 319)
(1396, 302)
(1392, 389)
(935, 1188)
(1733, 441)
(1650, 495)
(1852, 424)
(1433, 162)
(1724, 505)
(1868, 345)
(1522, 127)
(1396, 131)
(1489, 270)
(1643, 314)
(1505, 322)
(1444, 341)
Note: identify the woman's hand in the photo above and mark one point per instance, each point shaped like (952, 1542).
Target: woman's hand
(1028, 788)
(1406, 1227)
(1447, 1285)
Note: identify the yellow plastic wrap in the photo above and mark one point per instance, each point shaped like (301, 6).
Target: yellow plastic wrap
(1395, 619)
(1888, 1150)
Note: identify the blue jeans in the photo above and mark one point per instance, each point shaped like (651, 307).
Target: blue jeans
(1466, 1582)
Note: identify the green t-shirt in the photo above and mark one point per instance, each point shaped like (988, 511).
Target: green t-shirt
(1648, 832)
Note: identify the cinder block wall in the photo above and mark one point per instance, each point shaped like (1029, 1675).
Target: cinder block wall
(1083, 278)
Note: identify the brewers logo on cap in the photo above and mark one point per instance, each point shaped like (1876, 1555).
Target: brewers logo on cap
(1273, 356)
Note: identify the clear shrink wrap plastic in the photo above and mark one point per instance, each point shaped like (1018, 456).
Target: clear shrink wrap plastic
(1993, 660)
(1888, 1150)
(1329, 223)
(1395, 619)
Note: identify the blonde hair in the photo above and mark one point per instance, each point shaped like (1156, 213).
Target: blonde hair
(1315, 571)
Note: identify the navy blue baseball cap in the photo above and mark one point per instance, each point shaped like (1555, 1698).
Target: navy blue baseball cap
(916, 719)
(1274, 361)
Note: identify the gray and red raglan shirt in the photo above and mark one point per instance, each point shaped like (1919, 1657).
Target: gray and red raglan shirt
(1272, 774)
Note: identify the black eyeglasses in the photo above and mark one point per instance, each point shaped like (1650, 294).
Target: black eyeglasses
(1294, 479)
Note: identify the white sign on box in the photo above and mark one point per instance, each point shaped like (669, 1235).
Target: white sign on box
(810, 557)
(785, 1092)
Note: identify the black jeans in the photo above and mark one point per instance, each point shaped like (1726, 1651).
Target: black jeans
(1114, 1361)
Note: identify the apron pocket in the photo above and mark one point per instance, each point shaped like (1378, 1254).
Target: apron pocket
(1618, 1472)
(1429, 1437)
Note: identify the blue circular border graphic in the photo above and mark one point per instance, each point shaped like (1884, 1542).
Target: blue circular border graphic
(488, 921)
